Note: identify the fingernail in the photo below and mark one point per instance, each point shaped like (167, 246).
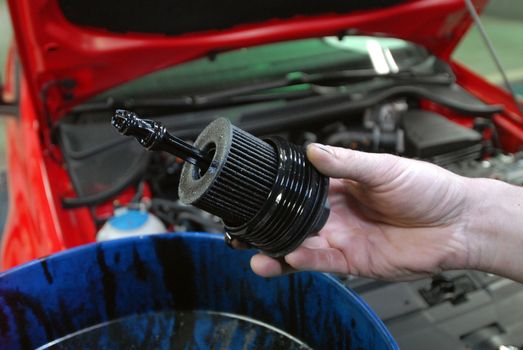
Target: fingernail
(228, 240)
(321, 147)
(235, 243)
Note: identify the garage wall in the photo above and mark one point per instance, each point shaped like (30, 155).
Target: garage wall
(509, 9)
(5, 35)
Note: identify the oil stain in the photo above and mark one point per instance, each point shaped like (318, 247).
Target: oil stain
(47, 273)
(108, 283)
(138, 265)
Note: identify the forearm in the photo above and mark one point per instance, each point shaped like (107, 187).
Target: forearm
(495, 227)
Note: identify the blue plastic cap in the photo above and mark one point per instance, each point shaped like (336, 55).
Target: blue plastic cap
(130, 220)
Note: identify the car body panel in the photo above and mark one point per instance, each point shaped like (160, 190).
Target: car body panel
(9, 84)
(66, 64)
(37, 225)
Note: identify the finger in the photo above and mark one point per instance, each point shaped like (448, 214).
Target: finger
(266, 266)
(238, 244)
(324, 260)
(315, 242)
(367, 168)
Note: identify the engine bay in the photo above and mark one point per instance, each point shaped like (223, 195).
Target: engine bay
(103, 165)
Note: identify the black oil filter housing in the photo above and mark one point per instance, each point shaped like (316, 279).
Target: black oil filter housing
(267, 193)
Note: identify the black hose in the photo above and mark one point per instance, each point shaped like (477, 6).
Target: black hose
(326, 107)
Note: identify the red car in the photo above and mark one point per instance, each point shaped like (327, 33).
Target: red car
(271, 67)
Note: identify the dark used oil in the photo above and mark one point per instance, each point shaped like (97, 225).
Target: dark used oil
(180, 330)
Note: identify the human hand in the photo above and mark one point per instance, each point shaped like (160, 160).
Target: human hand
(391, 218)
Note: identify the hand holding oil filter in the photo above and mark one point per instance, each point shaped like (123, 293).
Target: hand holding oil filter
(265, 191)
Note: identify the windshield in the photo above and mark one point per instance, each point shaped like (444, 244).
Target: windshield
(267, 62)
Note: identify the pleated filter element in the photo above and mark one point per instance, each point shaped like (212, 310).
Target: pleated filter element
(244, 181)
(265, 191)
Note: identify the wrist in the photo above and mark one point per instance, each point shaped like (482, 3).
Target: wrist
(493, 218)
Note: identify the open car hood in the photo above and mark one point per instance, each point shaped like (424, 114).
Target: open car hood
(74, 49)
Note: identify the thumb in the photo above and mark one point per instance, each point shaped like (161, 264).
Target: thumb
(367, 168)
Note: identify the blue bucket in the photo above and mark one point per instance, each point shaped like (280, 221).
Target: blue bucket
(177, 291)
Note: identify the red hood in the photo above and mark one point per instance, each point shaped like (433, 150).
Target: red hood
(65, 63)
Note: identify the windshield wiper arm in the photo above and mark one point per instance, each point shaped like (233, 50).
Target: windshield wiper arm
(297, 78)
(263, 91)
(253, 93)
